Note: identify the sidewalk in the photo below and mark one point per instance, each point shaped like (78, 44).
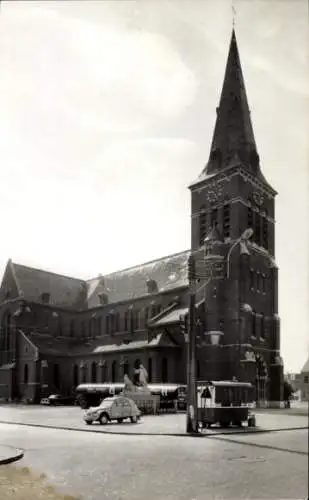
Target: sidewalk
(298, 409)
(9, 454)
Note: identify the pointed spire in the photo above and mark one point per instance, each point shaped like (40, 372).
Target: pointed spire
(233, 138)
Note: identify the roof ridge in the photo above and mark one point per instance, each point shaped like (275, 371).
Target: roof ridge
(138, 265)
(49, 272)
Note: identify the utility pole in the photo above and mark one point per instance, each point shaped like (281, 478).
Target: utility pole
(191, 352)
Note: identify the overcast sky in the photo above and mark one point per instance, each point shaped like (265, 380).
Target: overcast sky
(106, 114)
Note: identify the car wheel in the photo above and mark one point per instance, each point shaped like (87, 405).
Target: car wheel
(103, 419)
(119, 420)
(224, 424)
(133, 420)
(238, 423)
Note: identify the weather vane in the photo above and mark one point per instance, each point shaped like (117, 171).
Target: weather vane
(233, 14)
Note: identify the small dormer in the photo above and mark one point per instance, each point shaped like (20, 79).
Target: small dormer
(103, 298)
(152, 286)
(101, 280)
(45, 297)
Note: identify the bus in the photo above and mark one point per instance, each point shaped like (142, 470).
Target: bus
(172, 396)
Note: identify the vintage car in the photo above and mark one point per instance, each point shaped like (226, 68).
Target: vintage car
(115, 408)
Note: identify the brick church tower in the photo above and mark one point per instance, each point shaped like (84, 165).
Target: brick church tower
(231, 195)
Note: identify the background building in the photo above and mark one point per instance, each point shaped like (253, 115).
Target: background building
(58, 331)
(300, 382)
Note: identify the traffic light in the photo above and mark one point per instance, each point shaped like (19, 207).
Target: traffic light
(184, 323)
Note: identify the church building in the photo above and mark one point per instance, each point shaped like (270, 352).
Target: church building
(57, 331)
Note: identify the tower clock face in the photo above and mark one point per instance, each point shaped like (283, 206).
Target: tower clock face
(258, 198)
(214, 194)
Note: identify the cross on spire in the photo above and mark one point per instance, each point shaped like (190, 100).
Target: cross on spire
(233, 14)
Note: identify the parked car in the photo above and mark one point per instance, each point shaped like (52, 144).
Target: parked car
(114, 408)
(58, 400)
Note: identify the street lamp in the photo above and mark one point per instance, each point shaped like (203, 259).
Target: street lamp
(246, 235)
(215, 336)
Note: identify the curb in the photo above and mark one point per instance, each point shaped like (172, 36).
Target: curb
(157, 434)
(12, 458)
(259, 445)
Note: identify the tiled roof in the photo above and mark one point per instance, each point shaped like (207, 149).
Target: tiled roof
(162, 340)
(305, 368)
(96, 347)
(171, 317)
(168, 272)
(47, 344)
(64, 291)
(175, 315)
(8, 366)
(137, 344)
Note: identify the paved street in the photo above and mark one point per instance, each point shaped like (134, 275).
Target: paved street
(72, 417)
(128, 467)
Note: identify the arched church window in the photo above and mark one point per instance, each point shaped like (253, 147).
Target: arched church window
(117, 322)
(213, 217)
(83, 329)
(198, 369)
(56, 376)
(114, 368)
(126, 321)
(93, 372)
(137, 320)
(75, 376)
(226, 220)
(252, 282)
(83, 369)
(26, 374)
(265, 233)
(262, 330)
(164, 371)
(146, 314)
(202, 224)
(3, 332)
(99, 326)
(72, 328)
(150, 370)
(126, 368)
(257, 229)
(253, 324)
(250, 217)
(107, 324)
(59, 329)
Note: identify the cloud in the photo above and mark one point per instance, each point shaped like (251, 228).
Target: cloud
(131, 77)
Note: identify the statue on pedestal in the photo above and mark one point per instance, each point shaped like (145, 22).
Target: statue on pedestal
(143, 376)
(140, 381)
(128, 386)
